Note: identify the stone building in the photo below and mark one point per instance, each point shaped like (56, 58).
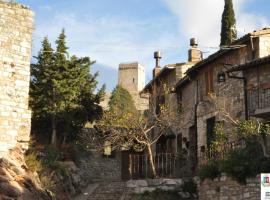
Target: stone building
(161, 92)
(16, 24)
(256, 74)
(131, 76)
(206, 81)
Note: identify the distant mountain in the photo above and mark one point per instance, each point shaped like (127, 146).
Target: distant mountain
(107, 75)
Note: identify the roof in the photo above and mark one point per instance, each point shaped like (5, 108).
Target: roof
(165, 69)
(250, 64)
(182, 81)
(236, 44)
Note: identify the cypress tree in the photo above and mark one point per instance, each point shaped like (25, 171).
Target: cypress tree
(41, 85)
(228, 24)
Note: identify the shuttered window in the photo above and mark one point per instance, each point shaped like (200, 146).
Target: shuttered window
(209, 82)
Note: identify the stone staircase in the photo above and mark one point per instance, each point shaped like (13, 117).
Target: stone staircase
(109, 191)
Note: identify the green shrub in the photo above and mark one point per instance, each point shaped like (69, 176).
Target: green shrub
(210, 170)
(265, 165)
(51, 155)
(190, 187)
(77, 151)
(240, 165)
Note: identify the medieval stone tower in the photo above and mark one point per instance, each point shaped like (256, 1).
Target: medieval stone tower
(16, 24)
(131, 76)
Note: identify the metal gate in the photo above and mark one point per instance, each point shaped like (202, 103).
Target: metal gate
(165, 164)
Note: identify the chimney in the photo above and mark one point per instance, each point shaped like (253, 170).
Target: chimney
(194, 53)
(156, 70)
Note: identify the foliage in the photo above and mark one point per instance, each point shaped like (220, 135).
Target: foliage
(219, 140)
(50, 161)
(228, 28)
(62, 91)
(121, 100)
(251, 159)
(211, 170)
(33, 163)
(157, 195)
(47, 182)
(125, 128)
(190, 187)
(78, 151)
(250, 128)
(239, 165)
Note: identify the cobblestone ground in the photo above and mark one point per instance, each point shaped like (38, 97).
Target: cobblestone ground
(108, 191)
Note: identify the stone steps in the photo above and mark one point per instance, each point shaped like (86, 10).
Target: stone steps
(108, 191)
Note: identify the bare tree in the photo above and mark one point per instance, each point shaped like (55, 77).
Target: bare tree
(135, 130)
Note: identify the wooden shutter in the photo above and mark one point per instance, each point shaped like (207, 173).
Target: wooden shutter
(206, 82)
(211, 81)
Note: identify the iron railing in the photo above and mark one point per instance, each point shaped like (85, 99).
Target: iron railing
(166, 165)
(258, 99)
(219, 152)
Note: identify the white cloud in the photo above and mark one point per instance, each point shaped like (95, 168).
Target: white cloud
(202, 19)
(107, 39)
(249, 22)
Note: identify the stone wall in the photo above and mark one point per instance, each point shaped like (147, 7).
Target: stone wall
(225, 188)
(16, 25)
(150, 185)
(264, 43)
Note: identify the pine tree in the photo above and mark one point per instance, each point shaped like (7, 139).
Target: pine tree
(41, 85)
(121, 100)
(228, 27)
(62, 94)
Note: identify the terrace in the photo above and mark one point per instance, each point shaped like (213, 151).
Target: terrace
(259, 102)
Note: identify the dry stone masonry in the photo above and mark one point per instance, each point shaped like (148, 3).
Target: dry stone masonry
(226, 188)
(16, 25)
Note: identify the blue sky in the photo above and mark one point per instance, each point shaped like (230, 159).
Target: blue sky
(115, 31)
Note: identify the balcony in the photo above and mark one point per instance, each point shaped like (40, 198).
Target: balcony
(259, 103)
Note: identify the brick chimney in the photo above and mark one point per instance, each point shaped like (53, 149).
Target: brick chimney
(194, 53)
(156, 70)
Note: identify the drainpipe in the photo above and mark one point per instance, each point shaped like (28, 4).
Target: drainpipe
(195, 119)
(245, 92)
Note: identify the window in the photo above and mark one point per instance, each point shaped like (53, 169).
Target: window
(179, 100)
(210, 128)
(179, 143)
(160, 100)
(209, 85)
(133, 80)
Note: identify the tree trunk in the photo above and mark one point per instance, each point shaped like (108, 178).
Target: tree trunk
(54, 137)
(64, 141)
(152, 164)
